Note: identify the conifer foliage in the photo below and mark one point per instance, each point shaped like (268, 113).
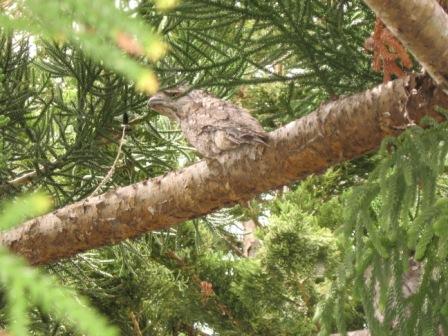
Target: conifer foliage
(395, 240)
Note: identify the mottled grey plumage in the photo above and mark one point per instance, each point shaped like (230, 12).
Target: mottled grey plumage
(211, 125)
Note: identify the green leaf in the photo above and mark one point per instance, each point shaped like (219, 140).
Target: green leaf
(25, 207)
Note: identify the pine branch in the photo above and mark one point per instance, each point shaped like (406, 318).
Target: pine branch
(418, 24)
(355, 333)
(335, 132)
(222, 308)
(135, 325)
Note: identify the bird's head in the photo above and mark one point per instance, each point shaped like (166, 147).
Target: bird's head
(169, 102)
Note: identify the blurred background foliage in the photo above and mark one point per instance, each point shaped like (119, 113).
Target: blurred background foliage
(65, 90)
(23, 286)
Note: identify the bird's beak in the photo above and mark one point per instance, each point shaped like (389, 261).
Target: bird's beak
(160, 104)
(155, 102)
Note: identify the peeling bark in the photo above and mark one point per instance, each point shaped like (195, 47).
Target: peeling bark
(338, 131)
(422, 27)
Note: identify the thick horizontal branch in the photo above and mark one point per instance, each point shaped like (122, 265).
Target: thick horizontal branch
(422, 26)
(335, 132)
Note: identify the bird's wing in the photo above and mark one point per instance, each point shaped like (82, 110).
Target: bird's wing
(214, 126)
(213, 112)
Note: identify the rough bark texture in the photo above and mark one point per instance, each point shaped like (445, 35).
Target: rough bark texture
(422, 26)
(338, 131)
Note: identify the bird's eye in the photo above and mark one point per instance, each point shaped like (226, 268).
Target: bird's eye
(173, 93)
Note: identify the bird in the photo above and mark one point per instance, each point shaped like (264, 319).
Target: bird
(211, 125)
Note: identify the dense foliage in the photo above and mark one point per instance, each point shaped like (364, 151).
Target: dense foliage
(397, 223)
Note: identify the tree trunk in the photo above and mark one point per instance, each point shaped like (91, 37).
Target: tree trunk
(422, 27)
(251, 244)
(338, 131)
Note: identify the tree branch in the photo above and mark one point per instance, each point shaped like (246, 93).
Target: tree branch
(420, 25)
(363, 332)
(338, 131)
